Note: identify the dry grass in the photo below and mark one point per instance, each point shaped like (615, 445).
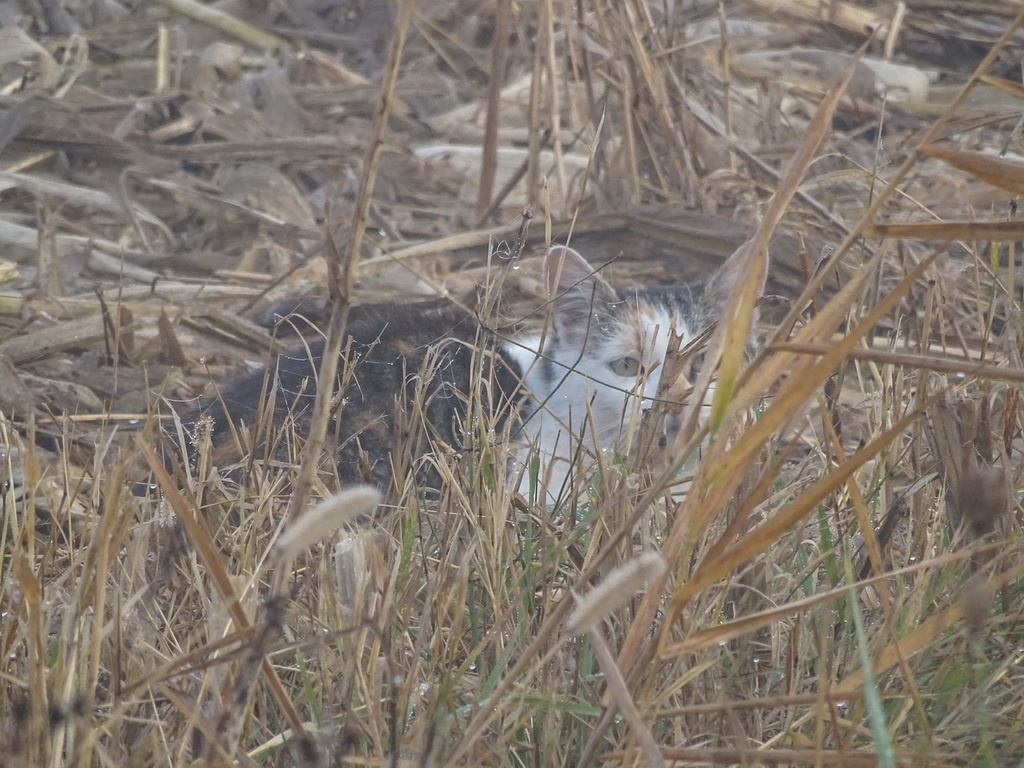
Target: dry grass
(841, 583)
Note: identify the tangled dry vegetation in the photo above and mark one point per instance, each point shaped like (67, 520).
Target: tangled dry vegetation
(841, 584)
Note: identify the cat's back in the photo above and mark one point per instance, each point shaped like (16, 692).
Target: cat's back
(406, 379)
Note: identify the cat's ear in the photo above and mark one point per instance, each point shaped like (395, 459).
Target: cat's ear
(734, 269)
(572, 283)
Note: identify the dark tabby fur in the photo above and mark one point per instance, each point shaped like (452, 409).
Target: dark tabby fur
(398, 356)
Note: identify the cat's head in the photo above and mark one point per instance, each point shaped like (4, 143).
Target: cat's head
(604, 351)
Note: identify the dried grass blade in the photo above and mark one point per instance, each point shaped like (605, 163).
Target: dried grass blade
(1003, 231)
(640, 44)
(845, 15)
(200, 721)
(802, 380)
(207, 550)
(999, 172)
(734, 333)
(225, 22)
(739, 314)
(798, 756)
(619, 692)
(194, 660)
(726, 468)
(763, 375)
(489, 150)
(1014, 89)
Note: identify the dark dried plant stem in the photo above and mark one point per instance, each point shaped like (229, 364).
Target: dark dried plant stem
(489, 154)
(533, 120)
(546, 43)
(509, 186)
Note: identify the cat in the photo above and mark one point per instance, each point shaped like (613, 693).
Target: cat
(416, 382)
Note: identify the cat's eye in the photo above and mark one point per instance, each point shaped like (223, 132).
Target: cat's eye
(627, 367)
